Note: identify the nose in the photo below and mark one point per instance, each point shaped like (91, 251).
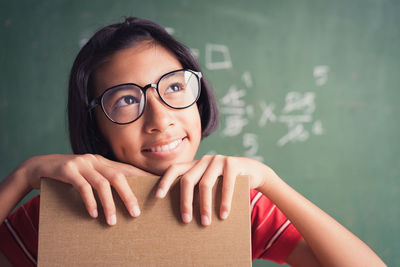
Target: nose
(157, 116)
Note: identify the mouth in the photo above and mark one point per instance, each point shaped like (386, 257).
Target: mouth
(165, 147)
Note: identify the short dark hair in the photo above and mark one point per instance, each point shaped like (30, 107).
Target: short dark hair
(84, 133)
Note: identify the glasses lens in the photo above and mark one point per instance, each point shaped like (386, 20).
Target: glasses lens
(124, 103)
(179, 89)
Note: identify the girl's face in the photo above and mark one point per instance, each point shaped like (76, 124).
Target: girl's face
(162, 135)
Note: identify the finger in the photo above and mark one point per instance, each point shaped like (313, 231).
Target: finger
(119, 182)
(103, 188)
(210, 176)
(187, 183)
(228, 187)
(73, 177)
(86, 192)
(170, 176)
(186, 196)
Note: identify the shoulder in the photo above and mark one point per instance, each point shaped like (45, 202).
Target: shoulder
(29, 211)
(19, 234)
(259, 202)
(273, 235)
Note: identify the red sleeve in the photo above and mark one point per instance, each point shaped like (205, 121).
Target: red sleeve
(19, 234)
(273, 236)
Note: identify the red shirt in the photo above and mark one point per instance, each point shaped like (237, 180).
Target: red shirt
(19, 234)
(273, 236)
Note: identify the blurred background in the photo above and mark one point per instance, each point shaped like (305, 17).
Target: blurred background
(310, 88)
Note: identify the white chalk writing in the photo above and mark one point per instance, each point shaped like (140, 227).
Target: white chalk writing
(250, 141)
(321, 75)
(214, 63)
(267, 114)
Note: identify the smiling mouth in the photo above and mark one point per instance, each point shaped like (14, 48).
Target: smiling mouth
(164, 148)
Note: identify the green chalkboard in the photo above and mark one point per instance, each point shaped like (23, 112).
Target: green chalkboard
(310, 88)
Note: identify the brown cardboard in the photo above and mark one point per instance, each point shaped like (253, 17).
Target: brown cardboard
(68, 236)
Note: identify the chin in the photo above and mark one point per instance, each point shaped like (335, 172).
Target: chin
(160, 167)
(156, 168)
(158, 171)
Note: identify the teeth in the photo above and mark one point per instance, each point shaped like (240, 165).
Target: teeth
(167, 147)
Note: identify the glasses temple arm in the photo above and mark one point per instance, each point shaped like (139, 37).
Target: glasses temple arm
(94, 103)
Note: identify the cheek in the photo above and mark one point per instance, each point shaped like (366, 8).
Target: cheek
(115, 135)
(194, 123)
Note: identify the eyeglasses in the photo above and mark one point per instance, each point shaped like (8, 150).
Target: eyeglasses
(125, 103)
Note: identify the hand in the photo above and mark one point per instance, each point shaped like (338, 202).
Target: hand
(205, 172)
(85, 173)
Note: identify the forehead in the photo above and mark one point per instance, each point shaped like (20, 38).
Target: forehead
(142, 64)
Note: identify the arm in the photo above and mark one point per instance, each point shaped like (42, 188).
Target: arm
(12, 189)
(84, 172)
(330, 242)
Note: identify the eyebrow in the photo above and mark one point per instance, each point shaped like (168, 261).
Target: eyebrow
(165, 75)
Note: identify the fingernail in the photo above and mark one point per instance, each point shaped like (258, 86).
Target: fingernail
(135, 211)
(205, 220)
(112, 220)
(186, 217)
(224, 215)
(160, 193)
(94, 213)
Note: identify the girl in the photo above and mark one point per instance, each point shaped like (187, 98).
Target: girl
(138, 105)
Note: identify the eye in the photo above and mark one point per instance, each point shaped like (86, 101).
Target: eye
(175, 87)
(126, 100)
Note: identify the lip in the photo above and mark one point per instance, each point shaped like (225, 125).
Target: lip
(165, 148)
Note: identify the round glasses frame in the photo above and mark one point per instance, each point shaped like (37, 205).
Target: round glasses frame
(99, 100)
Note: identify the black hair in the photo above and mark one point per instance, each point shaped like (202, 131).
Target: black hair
(84, 134)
